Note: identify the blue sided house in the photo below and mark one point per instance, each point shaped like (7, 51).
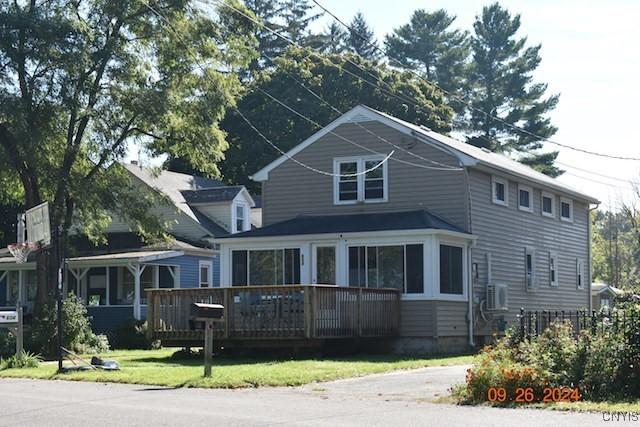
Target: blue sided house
(112, 279)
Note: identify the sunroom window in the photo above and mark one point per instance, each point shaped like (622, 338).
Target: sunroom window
(451, 270)
(392, 266)
(266, 267)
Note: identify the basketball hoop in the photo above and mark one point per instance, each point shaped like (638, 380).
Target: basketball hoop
(21, 251)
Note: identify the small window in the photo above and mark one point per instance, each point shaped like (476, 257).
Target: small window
(500, 191)
(525, 198)
(530, 268)
(354, 185)
(451, 271)
(548, 205)
(579, 274)
(553, 269)
(205, 274)
(566, 209)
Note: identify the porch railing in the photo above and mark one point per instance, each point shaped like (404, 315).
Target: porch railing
(277, 312)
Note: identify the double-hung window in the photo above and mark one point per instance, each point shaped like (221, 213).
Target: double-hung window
(240, 220)
(361, 179)
(553, 269)
(579, 274)
(530, 269)
(205, 274)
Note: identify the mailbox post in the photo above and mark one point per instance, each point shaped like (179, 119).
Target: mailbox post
(210, 314)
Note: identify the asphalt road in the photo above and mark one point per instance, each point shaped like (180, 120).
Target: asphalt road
(395, 399)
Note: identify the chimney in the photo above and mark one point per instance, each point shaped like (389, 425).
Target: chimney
(134, 162)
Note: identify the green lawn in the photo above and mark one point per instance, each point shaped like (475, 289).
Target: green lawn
(158, 367)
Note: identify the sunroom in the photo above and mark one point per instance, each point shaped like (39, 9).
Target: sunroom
(414, 252)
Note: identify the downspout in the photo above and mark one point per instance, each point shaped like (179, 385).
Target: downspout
(589, 256)
(470, 261)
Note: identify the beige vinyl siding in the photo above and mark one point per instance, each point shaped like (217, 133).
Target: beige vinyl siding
(506, 231)
(292, 190)
(418, 318)
(218, 212)
(452, 318)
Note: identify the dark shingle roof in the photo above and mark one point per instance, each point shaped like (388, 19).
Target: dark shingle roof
(212, 195)
(352, 223)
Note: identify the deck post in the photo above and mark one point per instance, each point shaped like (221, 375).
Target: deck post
(359, 308)
(151, 309)
(307, 311)
(228, 307)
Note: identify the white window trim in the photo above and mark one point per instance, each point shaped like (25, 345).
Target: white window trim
(360, 179)
(505, 182)
(580, 273)
(570, 202)
(530, 191)
(551, 196)
(209, 265)
(554, 256)
(234, 217)
(465, 272)
(534, 280)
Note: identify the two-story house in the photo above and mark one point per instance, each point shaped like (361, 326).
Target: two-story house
(112, 279)
(467, 236)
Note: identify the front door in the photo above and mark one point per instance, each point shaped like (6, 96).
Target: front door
(324, 265)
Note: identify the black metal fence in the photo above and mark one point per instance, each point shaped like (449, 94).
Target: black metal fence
(533, 323)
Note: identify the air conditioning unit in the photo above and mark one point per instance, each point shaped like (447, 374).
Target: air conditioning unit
(497, 297)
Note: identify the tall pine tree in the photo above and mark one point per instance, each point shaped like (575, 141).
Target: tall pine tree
(361, 39)
(503, 87)
(332, 40)
(427, 45)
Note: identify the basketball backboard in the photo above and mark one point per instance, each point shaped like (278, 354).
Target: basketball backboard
(38, 225)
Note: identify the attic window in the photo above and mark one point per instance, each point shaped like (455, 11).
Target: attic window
(352, 185)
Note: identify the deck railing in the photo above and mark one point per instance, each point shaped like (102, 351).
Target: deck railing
(277, 312)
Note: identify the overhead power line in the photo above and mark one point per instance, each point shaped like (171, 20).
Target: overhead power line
(465, 102)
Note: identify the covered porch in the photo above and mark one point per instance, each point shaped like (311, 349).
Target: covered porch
(113, 286)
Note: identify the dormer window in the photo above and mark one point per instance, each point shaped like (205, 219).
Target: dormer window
(360, 179)
(241, 218)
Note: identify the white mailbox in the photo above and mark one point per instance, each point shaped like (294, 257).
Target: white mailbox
(8, 317)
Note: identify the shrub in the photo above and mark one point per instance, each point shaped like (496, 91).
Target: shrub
(77, 334)
(23, 360)
(500, 366)
(7, 343)
(132, 335)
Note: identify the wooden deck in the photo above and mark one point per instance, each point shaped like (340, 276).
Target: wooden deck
(303, 314)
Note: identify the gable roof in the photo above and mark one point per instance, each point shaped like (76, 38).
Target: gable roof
(467, 154)
(351, 223)
(173, 184)
(216, 194)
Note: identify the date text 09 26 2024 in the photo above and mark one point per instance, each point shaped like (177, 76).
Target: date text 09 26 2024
(528, 395)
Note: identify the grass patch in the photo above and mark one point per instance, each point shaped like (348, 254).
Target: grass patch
(162, 368)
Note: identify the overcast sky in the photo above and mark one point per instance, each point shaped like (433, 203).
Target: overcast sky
(590, 55)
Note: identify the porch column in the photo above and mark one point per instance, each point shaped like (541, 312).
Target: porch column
(156, 276)
(136, 292)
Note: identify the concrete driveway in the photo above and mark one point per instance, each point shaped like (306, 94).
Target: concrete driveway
(394, 399)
